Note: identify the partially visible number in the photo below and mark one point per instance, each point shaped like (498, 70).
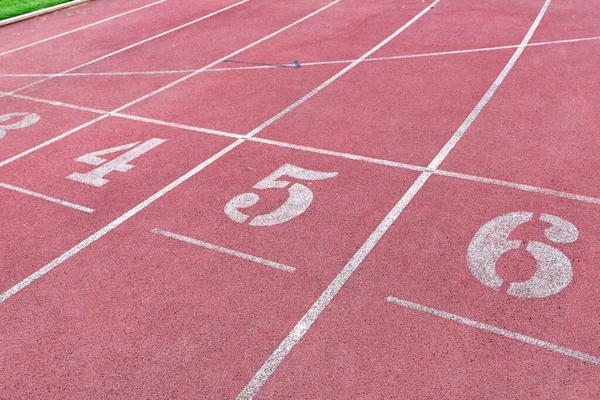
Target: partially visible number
(96, 176)
(553, 271)
(300, 196)
(27, 120)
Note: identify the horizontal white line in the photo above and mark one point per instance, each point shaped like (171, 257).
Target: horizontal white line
(498, 331)
(225, 250)
(519, 186)
(339, 154)
(310, 63)
(47, 198)
(178, 126)
(121, 115)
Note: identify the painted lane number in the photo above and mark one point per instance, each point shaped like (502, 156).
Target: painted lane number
(300, 196)
(121, 163)
(553, 269)
(27, 119)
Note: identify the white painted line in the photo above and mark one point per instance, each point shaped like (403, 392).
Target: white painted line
(81, 28)
(178, 126)
(129, 47)
(141, 206)
(498, 331)
(41, 11)
(120, 115)
(54, 103)
(124, 73)
(339, 154)
(576, 40)
(310, 63)
(284, 348)
(519, 186)
(225, 250)
(47, 198)
(378, 161)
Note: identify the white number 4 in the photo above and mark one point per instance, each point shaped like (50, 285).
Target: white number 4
(96, 176)
(298, 201)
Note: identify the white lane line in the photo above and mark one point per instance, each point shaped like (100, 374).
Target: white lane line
(225, 250)
(85, 64)
(300, 329)
(121, 115)
(356, 157)
(141, 206)
(498, 331)
(47, 198)
(518, 186)
(178, 126)
(311, 63)
(81, 28)
(338, 154)
(54, 103)
(168, 86)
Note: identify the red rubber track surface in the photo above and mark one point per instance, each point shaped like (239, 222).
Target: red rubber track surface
(148, 287)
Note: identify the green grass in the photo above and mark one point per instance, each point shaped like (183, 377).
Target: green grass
(12, 8)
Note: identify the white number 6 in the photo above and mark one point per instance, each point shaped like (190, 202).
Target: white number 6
(298, 201)
(553, 272)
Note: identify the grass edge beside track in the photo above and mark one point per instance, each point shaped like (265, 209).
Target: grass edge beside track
(14, 8)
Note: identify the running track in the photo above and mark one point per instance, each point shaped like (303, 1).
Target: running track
(301, 199)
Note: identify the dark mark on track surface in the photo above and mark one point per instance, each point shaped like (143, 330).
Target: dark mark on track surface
(295, 64)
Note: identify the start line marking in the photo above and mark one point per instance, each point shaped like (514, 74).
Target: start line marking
(225, 250)
(378, 161)
(498, 331)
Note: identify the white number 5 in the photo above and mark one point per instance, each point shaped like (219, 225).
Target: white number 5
(298, 201)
